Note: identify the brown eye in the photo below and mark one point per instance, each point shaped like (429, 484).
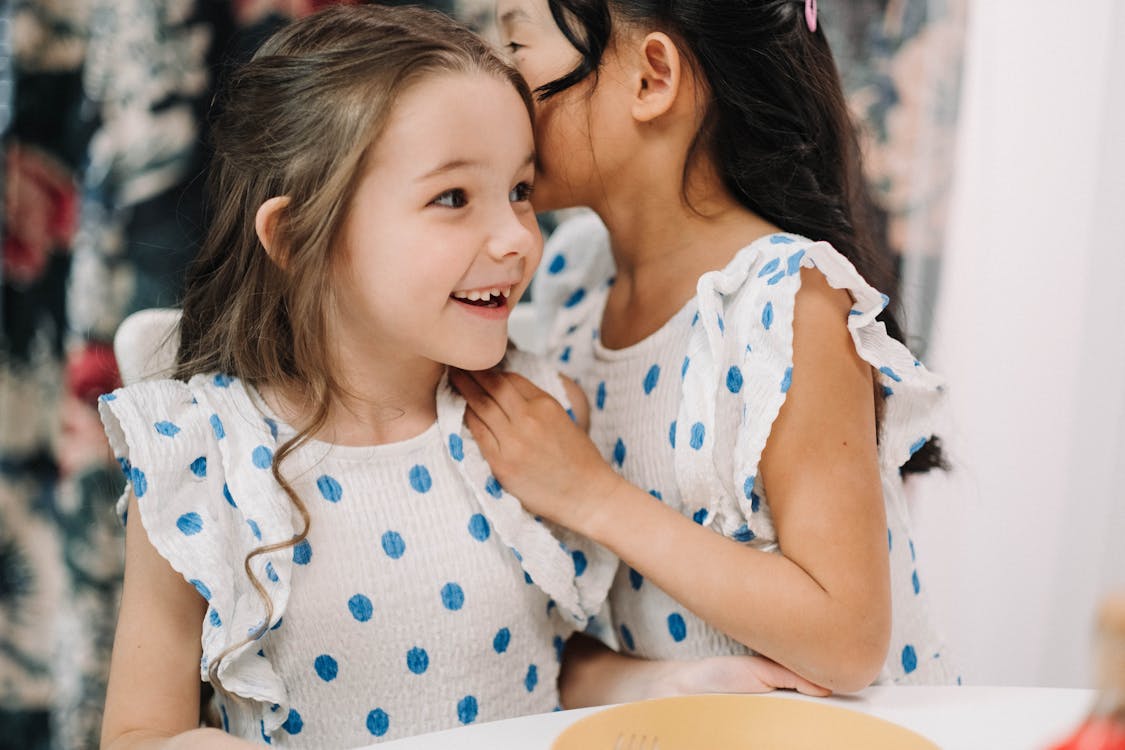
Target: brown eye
(456, 198)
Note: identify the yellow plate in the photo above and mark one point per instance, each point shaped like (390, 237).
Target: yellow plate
(735, 722)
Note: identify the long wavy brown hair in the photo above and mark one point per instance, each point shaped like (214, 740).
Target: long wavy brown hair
(298, 121)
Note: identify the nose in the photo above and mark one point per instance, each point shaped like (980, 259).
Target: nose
(514, 234)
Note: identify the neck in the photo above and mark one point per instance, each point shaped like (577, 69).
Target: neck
(385, 398)
(660, 230)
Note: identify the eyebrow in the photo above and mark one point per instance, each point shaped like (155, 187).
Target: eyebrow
(508, 17)
(455, 164)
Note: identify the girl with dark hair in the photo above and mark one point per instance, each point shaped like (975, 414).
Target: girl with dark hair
(754, 409)
(309, 528)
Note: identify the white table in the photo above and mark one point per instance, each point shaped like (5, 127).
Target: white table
(955, 718)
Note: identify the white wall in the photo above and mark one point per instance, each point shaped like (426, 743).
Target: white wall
(1019, 544)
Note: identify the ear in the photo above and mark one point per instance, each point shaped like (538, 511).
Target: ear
(265, 225)
(660, 68)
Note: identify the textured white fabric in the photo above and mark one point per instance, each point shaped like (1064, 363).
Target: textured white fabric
(424, 596)
(686, 413)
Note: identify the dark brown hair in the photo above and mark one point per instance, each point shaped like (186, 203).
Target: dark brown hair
(777, 124)
(298, 121)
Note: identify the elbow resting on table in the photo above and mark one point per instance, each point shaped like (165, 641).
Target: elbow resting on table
(855, 657)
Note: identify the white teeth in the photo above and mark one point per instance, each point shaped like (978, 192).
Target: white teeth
(474, 296)
(485, 295)
(506, 291)
(495, 292)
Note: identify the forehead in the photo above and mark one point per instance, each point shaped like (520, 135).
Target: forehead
(514, 12)
(464, 116)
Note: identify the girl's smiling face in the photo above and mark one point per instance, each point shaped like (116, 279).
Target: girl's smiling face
(440, 240)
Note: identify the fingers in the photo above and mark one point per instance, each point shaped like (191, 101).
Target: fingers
(486, 440)
(498, 388)
(524, 387)
(479, 400)
(779, 677)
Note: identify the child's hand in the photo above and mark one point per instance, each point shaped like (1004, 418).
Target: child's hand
(535, 449)
(731, 674)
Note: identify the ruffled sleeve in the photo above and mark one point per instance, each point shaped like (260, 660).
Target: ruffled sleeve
(741, 366)
(197, 458)
(569, 288)
(575, 572)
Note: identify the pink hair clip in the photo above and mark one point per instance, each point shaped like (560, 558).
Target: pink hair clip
(810, 14)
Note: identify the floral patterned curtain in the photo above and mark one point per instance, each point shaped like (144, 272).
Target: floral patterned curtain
(102, 111)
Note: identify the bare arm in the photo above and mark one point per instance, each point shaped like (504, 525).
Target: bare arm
(822, 607)
(153, 696)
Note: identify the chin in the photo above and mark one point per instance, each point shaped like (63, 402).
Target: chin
(482, 358)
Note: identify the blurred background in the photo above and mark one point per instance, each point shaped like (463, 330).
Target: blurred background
(994, 134)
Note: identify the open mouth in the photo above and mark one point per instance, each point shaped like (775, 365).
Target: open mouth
(495, 297)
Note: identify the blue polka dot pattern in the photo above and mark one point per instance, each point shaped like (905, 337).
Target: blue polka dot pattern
(107, 397)
(167, 429)
(532, 678)
(635, 579)
(393, 545)
(262, 457)
(420, 479)
(329, 488)
(501, 640)
(223, 380)
(684, 367)
(227, 496)
(467, 710)
(293, 723)
(139, 481)
(575, 299)
(326, 667)
(700, 516)
(478, 527)
(270, 572)
(565, 356)
(378, 722)
(619, 452)
(916, 582)
(493, 487)
(265, 737)
(677, 628)
(734, 379)
(795, 262)
(417, 660)
(767, 316)
(769, 268)
(627, 637)
(672, 434)
(743, 534)
(302, 552)
(652, 377)
(787, 380)
(918, 445)
(272, 425)
(360, 607)
(201, 587)
(216, 621)
(456, 447)
(558, 263)
(217, 427)
(580, 562)
(257, 532)
(199, 467)
(780, 239)
(698, 433)
(452, 597)
(189, 524)
(890, 374)
(599, 397)
(909, 659)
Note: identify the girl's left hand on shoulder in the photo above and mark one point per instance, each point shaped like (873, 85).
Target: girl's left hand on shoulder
(534, 447)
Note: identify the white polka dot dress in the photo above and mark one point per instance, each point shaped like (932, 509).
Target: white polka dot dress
(423, 598)
(685, 414)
